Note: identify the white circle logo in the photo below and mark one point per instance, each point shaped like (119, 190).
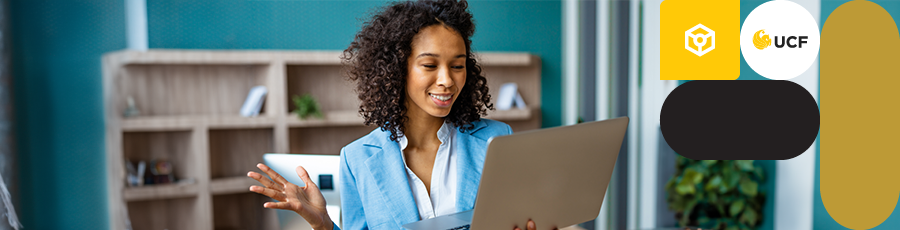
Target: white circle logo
(780, 40)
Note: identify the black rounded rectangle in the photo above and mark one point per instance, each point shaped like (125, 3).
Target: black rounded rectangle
(740, 120)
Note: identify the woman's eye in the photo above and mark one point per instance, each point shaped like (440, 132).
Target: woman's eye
(459, 67)
(430, 66)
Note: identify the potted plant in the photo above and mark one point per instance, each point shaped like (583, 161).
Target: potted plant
(306, 106)
(716, 194)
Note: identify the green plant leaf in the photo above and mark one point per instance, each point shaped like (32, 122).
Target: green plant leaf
(677, 204)
(713, 197)
(749, 187)
(693, 175)
(749, 217)
(758, 171)
(685, 187)
(709, 162)
(733, 179)
(689, 208)
(745, 165)
(703, 220)
(713, 183)
(724, 188)
(736, 208)
(733, 227)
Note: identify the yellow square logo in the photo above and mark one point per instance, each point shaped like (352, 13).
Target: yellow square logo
(699, 40)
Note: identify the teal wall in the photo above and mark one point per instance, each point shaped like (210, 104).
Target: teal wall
(510, 26)
(821, 219)
(59, 125)
(57, 45)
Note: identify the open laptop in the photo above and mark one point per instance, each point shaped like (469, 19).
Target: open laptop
(556, 177)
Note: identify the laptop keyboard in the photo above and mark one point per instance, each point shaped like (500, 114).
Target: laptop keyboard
(464, 227)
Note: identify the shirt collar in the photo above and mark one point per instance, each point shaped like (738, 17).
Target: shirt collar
(443, 135)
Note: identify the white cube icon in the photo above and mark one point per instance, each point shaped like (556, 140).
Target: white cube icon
(699, 35)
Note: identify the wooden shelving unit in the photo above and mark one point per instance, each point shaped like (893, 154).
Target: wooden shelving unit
(189, 102)
(157, 192)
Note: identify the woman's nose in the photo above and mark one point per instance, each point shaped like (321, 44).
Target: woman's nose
(443, 78)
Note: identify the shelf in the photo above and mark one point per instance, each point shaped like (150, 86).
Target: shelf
(505, 59)
(512, 114)
(231, 185)
(158, 192)
(352, 118)
(175, 123)
(174, 56)
(330, 118)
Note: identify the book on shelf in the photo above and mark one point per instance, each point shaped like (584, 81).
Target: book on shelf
(254, 101)
(509, 96)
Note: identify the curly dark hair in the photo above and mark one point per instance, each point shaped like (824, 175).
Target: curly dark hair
(377, 61)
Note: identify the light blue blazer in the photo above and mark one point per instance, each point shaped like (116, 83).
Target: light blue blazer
(375, 192)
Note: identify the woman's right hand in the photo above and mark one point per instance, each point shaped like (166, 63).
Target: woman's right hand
(306, 201)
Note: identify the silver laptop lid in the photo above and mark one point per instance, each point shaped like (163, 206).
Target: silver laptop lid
(556, 177)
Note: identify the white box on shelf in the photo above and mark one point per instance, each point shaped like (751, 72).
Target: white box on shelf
(509, 96)
(254, 101)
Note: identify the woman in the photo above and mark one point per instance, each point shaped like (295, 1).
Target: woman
(418, 80)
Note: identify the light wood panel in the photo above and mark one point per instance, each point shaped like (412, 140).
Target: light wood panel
(325, 140)
(171, 214)
(231, 185)
(163, 191)
(189, 89)
(325, 83)
(234, 152)
(243, 211)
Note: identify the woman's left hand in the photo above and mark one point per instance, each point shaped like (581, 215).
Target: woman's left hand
(306, 201)
(531, 226)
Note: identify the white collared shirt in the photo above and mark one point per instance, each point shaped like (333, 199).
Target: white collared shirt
(443, 177)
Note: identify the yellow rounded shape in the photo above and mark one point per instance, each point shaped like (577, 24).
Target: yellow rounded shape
(858, 155)
(761, 41)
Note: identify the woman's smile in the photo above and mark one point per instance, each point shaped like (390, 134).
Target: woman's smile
(442, 100)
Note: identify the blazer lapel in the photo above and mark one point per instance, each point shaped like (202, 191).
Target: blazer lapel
(387, 168)
(469, 167)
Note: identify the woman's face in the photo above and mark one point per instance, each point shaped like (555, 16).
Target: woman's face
(436, 71)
